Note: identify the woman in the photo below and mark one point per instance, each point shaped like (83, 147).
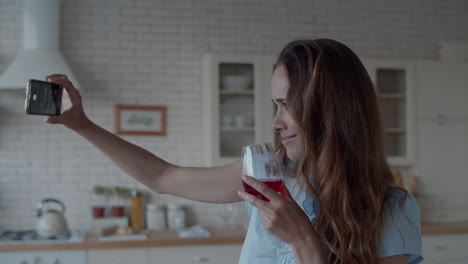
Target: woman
(346, 209)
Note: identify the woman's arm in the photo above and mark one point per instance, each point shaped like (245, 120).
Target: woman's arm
(215, 185)
(307, 250)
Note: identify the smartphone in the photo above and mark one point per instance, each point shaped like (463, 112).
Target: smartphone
(43, 98)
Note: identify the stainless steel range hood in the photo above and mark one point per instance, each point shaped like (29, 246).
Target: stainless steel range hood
(40, 54)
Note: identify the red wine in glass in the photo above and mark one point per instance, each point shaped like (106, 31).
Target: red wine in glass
(276, 184)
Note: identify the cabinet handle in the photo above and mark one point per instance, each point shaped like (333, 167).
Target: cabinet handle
(201, 259)
(440, 248)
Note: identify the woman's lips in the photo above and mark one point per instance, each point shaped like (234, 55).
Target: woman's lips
(286, 140)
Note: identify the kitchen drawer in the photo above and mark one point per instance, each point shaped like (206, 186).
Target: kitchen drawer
(44, 257)
(119, 256)
(445, 261)
(220, 254)
(445, 247)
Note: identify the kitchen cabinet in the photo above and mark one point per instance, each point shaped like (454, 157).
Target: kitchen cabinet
(219, 254)
(119, 256)
(442, 91)
(445, 249)
(44, 257)
(442, 143)
(213, 254)
(442, 162)
(394, 81)
(237, 107)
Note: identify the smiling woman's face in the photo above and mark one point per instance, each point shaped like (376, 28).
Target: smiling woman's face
(283, 123)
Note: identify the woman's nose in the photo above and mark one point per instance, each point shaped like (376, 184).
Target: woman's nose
(278, 125)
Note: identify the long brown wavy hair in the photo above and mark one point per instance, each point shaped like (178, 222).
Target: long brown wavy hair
(344, 164)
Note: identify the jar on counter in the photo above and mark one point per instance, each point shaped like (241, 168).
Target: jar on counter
(155, 217)
(136, 211)
(175, 217)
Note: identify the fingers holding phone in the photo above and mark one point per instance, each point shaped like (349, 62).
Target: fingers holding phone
(63, 81)
(72, 113)
(67, 100)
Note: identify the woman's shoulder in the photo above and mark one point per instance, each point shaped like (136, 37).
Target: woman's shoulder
(398, 199)
(401, 232)
(400, 208)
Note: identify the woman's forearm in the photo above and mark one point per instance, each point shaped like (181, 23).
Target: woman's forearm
(213, 185)
(135, 161)
(307, 250)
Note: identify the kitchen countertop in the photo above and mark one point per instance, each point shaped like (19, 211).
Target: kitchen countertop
(165, 238)
(449, 228)
(219, 236)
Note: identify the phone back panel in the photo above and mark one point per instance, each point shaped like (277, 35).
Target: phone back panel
(43, 98)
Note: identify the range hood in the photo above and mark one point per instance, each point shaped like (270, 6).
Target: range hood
(40, 54)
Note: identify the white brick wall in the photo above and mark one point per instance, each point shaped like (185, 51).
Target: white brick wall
(148, 52)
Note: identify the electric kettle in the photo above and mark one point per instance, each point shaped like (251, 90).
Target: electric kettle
(51, 222)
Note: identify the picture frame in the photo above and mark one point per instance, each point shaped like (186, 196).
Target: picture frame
(141, 120)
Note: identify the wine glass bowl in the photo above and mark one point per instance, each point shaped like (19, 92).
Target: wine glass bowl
(261, 162)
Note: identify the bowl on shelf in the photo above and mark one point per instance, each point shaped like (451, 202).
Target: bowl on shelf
(236, 82)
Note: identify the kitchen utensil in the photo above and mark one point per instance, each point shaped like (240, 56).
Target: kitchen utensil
(51, 222)
(175, 217)
(155, 217)
(239, 121)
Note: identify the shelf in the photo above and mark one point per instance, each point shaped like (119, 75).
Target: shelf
(237, 129)
(394, 130)
(236, 92)
(391, 96)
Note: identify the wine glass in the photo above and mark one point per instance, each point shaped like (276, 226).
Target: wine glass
(262, 163)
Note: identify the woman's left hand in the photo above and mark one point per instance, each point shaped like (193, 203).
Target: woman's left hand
(281, 216)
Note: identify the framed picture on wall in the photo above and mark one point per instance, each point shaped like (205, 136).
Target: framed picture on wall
(140, 120)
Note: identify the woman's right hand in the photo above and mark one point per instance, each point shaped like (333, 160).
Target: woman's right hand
(72, 115)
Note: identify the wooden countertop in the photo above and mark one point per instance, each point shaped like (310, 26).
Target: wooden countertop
(450, 228)
(219, 236)
(164, 238)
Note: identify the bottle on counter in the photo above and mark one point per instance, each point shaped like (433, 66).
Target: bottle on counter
(175, 217)
(136, 211)
(155, 217)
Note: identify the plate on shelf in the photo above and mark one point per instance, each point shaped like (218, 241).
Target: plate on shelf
(236, 82)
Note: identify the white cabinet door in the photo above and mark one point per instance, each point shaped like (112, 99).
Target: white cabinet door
(442, 142)
(220, 254)
(236, 105)
(44, 257)
(442, 90)
(445, 248)
(442, 161)
(269, 107)
(119, 256)
(395, 87)
(445, 261)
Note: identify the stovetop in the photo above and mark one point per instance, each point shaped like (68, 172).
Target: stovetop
(31, 236)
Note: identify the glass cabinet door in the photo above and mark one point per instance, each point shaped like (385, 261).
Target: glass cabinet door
(236, 107)
(237, 92)
(391, 92)
(393, 81)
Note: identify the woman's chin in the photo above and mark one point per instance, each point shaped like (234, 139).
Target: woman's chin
(292, 155)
